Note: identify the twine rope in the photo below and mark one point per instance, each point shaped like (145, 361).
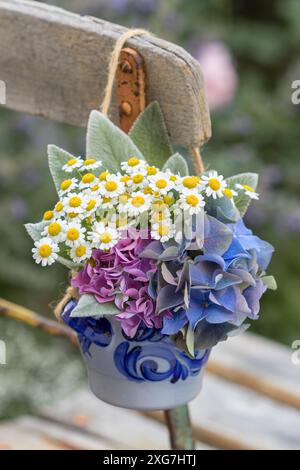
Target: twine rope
(71, 292)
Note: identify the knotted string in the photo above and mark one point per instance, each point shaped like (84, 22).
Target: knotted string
(71, 292)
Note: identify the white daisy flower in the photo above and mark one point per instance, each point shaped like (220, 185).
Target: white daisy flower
(72, 164)
(138, 181)
(134, 165)
(59, 209)
(108, 202)
(102, 236)
(230, 193)
(92, 204)
(48, 216)
(45, 251)
(214, 184)
(67, 186)
(151, 170)
(55, 230)
(162, 231)
(81, 252)
(103, 175)
(90, 164)
(192, 203)
(88, 180)
(75, 217)
(249, 191)
(161, 183)
(189, 184)
(112, 187)
(74, 234)
(138, 203)
(75, 202)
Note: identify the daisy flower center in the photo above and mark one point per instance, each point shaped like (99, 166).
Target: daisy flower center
(137, 178)
(228, 193)
(91, 204)
(214, 184)
(111, 186)
(190, 182)
(173, 178)
(106, 237)
(163, 230)
(133, 161)
(54, 229)
(45, 250)
(106, 200)
(161, 184)
(88, 178)
(125, 178)
(248, 188)
(103, 175)
(80, 250)
(72, 215)
(59, 206)
(65, 184)
(138, 201)
(71, 162)
(48, 215)
(151, 170)
(95, 187)
(75, 201)
(89, 161)
(147, 190)
(192, 200)
(168, 200)
(73, 234)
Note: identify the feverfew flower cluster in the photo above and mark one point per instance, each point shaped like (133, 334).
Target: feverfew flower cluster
(96, 206)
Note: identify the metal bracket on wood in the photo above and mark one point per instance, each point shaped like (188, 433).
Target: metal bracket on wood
(131, 87)
(131, 95)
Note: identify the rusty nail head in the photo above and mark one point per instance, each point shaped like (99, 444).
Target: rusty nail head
(126, 108)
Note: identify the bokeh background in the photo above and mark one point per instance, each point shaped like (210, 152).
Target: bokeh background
(249, 53)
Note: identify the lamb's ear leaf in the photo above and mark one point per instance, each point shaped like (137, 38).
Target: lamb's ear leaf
(269, 282)
(108, 143)
(57, 158)
(242, 202)
(35, 230)
(177, 164)
(68, 263)
(149, 133)
(88, 306)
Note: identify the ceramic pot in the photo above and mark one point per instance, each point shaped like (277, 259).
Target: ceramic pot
(147, 372)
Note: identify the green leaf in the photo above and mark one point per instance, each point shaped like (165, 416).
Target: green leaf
(89, 307)
(108, 143)
(68, 263)
(222, 209)
(149, 133)
(177, 164)
(35, 230)
(242, 202)
(57, 157)
(269, 282)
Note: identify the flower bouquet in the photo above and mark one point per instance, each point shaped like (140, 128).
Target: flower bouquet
(163, 266)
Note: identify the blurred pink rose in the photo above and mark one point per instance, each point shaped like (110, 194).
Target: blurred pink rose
(219, 73)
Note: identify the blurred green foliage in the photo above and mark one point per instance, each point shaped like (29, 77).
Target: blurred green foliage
(258, 130)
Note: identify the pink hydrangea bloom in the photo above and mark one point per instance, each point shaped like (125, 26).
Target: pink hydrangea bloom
(220, 76)
(121, 276)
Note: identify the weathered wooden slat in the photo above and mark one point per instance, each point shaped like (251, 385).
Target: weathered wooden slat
(54, 64)
(259, 364)
(85, 412)
(32, 433)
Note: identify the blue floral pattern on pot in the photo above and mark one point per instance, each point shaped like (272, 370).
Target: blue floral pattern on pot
(154, 358)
